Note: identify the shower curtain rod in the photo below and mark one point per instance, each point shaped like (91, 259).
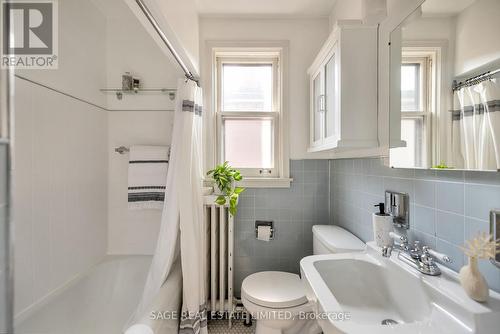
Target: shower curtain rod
(165, 40)
(474, 80)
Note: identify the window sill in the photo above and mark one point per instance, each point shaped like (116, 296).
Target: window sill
(265, 182)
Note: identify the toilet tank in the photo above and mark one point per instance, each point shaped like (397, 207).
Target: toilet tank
(329, 239)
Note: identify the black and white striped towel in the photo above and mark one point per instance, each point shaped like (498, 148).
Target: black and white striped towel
(147, 176)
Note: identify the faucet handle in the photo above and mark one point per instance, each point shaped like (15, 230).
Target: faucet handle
(398, 237)
(416, 251)
(439, 256)
(403, 241)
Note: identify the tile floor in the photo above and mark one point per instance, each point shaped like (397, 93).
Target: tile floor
(220, 327)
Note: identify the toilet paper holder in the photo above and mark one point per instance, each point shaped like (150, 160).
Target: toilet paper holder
(264, 223)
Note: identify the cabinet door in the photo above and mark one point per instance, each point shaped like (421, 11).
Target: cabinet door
(317, 113)
(331, 125)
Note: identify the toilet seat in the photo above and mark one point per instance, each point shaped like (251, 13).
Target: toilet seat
(274, 289)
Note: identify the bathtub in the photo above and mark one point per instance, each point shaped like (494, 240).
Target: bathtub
(99, 302)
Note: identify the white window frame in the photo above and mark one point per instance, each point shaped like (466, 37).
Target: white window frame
(242, 49)
(273, 115)
(426, 91)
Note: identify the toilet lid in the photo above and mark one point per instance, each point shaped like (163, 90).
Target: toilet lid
(274, 289)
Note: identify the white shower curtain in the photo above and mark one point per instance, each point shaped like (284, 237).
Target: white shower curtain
(476, 126)
(180, 240)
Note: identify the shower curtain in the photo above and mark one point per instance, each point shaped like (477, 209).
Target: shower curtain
(476, 126)
(180, 242)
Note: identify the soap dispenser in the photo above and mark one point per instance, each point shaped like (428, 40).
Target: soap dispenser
(382, 226)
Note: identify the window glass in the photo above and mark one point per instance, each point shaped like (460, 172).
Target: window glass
(248, 143)
(410, 87)
(412, 132)
(247, 87)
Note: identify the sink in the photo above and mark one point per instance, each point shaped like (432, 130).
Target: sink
(367, 293)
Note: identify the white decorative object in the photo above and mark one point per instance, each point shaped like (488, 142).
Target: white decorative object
(382, 226)
(480, 247)
(473, 282)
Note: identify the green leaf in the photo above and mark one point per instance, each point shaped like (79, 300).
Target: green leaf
(233, 210)
(221, 200)
(239, 190)
(224, 177)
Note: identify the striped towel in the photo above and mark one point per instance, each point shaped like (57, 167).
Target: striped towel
(147, 176)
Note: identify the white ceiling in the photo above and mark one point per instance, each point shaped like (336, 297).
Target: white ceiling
(444, 7)
(292, 8)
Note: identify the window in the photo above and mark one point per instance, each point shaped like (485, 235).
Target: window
(416, 111)
(249, 112)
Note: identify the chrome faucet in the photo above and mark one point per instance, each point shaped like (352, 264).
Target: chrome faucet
(401, 242)
(420, 258)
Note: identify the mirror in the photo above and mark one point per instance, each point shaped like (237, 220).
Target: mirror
(445, 86)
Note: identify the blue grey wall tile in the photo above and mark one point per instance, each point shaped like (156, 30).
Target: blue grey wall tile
(245, 244)
(401, 185)
(453, 252)
(310, 165)
(245, 213)
(490, 273)
(450, 227)
(373, 184)
(424, 238)
(293, 210)
(450, 175)
(450, 197)
(475, 226)
(424, 219)
(244, 225)
(425, 193)
(322, 165)
(479, 200)
(446, 207)
(297, 165)
(425, 174)
(488, 178)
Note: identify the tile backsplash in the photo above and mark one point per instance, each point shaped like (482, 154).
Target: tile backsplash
(446, 207)
(294, 211)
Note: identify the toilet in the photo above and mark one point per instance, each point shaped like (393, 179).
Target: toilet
(276, 299)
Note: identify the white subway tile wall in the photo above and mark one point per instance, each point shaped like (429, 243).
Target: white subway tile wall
(60, 197)
(446, 207)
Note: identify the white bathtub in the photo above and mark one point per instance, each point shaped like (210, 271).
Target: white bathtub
(99, 302)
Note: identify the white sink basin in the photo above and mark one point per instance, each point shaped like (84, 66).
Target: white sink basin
(355, 292)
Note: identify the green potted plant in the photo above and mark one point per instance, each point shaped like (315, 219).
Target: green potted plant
(225, 177)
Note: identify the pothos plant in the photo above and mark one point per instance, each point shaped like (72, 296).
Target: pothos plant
(225, 178)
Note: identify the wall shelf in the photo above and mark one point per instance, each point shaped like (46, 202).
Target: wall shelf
(119, 92)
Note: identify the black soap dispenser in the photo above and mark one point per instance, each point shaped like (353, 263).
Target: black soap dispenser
(382, 226)
(381, 209)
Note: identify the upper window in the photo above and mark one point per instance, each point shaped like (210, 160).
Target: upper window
(247, 87)
(411, 92)
(416, 112)
(248, 113)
